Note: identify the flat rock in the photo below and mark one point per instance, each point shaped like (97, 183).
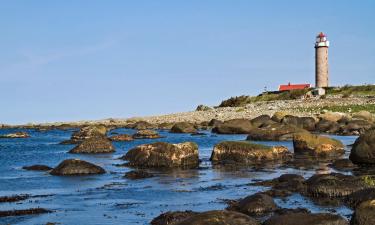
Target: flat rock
(121, 137)
(146, 134)
(16, 135)
(306, 219)
(275, 132)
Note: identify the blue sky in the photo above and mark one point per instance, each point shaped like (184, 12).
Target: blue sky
(85, 59)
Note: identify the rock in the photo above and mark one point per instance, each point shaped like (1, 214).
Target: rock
(356, 198)
(214, 122)
(16, 135)
(164, 155)
(22, 212)
(333, 185)
(307, 123)
(138, 174)
(37, 168)
(327, 126)
(260, 120)
(255, 205)
(121, 137)
(235, 126)
(219, 217)
(316, 145)
(172, 217)
(203, 108)
(363, 151)
(306, 219)
(141, 125)
(183, 127)
(98, 144)
(364, 115)
(70, 167)
(165, 126)
(274, 132)
(278, 116)
(86, 133)
(364, 214)
(343, 165)
(356, 127)
(245, 152)
(146, 134)
(332, 116)
(285, 185)
(13, 198)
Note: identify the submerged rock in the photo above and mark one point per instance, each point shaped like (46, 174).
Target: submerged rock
(16, 135)
(98, 144)
(219, 217)
(13, 198)
(70, 167)
(255, 205)
(275, 132)
(172, 217)
(37, 168)
(343, 164)
(247, 153)
(363, 151)
(235, 126)
(138, 174)
(316, 145)
(364, 214)
(164, 155)
(183, 127)
(285, 185)
(306, 219)
(22, 212)
(146, 134)
(121, 137)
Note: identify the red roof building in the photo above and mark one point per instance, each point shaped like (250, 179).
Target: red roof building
(288, 87)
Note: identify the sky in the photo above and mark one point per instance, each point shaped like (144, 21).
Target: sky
(92, 59)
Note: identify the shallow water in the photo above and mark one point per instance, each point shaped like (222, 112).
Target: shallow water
(111, 199)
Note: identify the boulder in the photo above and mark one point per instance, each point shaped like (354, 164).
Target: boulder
(356, 127)
(16, 135)
(121, 137)
(146, 134)
(364, 214)
(278, 116)
(356, 198)
(98, 144)
(138, 174)
(255, 205)
(37, 168)
(183, 127)
(235, 126)
(327, 126)
(275, 132)
(285, 185)
(214, 122)
(316, 145)
(165, 126)
(332, 116)
(306, 219)
(71, 167)
(363, 151)
(203, 108)
(218, 217)
(141, 125)
(164, 155)
(364, 115)
(334, 185)
(307, 123)
(245, 152)
(86, 133)
(343, 165)
(260, 120)
(172, 217)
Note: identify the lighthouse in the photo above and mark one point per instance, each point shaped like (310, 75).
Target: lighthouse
(321, 60)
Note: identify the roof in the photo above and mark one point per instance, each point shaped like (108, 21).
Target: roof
(287, 87)
(321, 34)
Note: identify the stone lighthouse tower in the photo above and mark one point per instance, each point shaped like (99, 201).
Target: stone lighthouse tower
(321, 60)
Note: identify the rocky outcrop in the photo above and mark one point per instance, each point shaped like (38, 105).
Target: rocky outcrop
(316, 145)
(275, 132)
(364, 214)
(172, 217)
(16, 135)
(146, 134)
(255, 205)
(137, 174)
(245, 152)
(37, 168)
(363, 151)
(235, 126)
(183, 127)
(334, 185)
(98, 144)
(306, 219)
(164, 155)
(219, 217)
(73, 167)
(121, 137)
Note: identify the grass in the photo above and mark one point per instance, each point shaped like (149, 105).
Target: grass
(241, 145)
(340, 108)
(369, 180)
(347, 90)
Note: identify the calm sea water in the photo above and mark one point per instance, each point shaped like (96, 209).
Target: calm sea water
(111, 199)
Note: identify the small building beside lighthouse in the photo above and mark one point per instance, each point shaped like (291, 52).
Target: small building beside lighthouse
(321, 61)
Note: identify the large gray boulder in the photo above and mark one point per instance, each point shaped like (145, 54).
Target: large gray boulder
(363, 151)
(164, 155)
(74, 167)
(235, 126)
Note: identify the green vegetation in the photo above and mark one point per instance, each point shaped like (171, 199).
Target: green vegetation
(341, 108)
(347, 90)
(369, 180)
(241, 145)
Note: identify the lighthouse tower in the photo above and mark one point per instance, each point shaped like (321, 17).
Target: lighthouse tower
(321, 60)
